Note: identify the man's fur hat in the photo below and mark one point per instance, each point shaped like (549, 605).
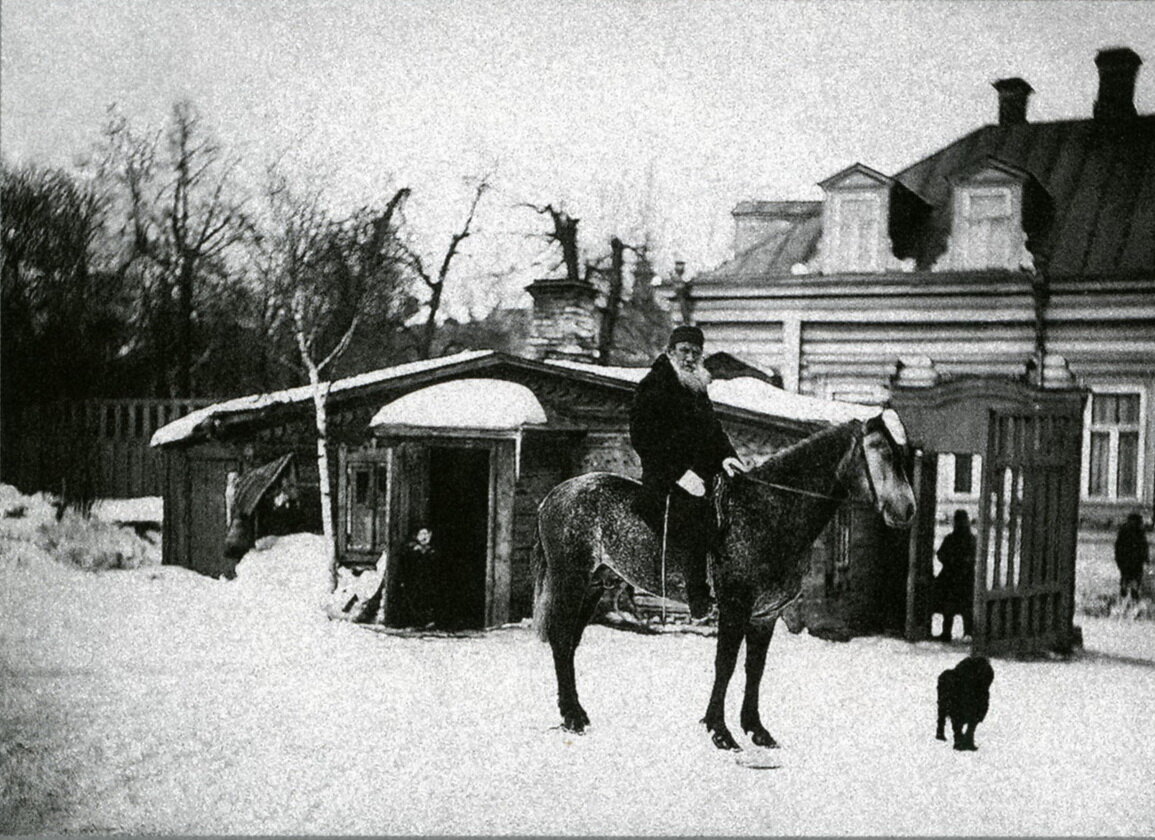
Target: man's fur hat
(688, 333)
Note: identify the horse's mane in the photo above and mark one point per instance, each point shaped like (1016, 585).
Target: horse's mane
(816, 454)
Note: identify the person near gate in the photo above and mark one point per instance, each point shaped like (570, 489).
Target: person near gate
(1131, 554)
(682, 447)
(954, 585)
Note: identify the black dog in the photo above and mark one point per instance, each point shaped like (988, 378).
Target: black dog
(964, 693)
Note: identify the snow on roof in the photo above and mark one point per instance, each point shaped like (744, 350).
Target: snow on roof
(626, 374)
(184, 428)
(756, 395)
(751, 394)
(464, 404)
(744, 392)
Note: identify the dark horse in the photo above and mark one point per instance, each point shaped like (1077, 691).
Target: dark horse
(768, 519)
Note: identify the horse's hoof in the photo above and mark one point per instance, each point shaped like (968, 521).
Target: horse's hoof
(575, 721)
(762, 738)
(722, 738)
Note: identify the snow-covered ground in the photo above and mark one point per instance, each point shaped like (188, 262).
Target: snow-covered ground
(154, 700)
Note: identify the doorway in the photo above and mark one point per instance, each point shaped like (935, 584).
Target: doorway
(459, 485)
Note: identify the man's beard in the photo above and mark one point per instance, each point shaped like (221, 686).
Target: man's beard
(696, 378)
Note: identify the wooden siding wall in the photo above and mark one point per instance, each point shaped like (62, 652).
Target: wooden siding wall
(847, 334)
(847, 352)
(760, 344)
(102, 445)
(1102, 350)
(545, 463)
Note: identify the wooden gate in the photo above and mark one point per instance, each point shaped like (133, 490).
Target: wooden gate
(1028, 521)
(1030, 439)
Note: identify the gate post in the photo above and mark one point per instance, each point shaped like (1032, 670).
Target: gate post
(920, 569)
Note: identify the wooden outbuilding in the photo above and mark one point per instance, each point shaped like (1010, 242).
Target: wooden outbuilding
(469, 445)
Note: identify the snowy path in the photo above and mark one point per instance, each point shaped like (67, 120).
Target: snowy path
(156, 701)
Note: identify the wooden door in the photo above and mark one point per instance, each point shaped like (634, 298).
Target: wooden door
(408, 508)
(1028, 521)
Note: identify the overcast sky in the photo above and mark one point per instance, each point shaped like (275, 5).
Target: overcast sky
(637, 116)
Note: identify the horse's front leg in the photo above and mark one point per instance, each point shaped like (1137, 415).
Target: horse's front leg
(757, 643)
(731, 621)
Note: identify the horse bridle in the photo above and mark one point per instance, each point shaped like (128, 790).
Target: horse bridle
(859, 435)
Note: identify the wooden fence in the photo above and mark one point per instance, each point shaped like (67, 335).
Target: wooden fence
(95, 448)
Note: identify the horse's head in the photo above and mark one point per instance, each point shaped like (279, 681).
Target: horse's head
(879, 476)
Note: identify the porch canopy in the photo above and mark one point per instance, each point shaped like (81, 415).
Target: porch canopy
(488, 405)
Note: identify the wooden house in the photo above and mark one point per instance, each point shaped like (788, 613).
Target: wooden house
(1022, 250)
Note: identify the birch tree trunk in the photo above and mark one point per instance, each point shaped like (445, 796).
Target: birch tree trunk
(321, 415)
(320, 393)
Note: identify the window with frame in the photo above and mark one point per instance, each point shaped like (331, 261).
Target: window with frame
(857, 226)
(964, 474)
(366, 522)
(1114, 440)
(987, 228)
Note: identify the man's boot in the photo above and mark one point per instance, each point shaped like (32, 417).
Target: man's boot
(697, 588)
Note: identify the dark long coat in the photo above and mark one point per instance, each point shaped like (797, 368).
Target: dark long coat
(957, 579)
(1131, 552)
(674, 429)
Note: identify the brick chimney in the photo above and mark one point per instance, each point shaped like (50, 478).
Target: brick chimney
(1013, 96)
(565, 322)
(1117, 70)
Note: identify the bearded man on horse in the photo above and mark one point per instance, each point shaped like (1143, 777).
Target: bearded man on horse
(682, 447)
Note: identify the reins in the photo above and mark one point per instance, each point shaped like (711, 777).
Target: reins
(799, 491)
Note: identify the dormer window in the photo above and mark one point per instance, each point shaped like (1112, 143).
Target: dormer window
(995, 209)
(987, 227)
(855, 222)
(857, 218)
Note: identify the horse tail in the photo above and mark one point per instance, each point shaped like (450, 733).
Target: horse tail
(561, 574)
(542, 597)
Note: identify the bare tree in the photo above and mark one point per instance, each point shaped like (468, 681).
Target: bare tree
(437, 287)
(182, 214)
(564, 235)
(613, 300)
(326, 275)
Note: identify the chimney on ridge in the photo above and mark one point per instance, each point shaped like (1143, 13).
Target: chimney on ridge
(1013, 96)
(565, 322)
(1117, 70)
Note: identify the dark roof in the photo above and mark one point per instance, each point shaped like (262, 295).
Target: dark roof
(791, 241)
(1099, 176)
(723, 365)
(777, 209)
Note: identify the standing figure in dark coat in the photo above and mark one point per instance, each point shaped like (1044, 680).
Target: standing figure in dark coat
(682, 448)
(419, 571)
(955, 583)
(1131, 556)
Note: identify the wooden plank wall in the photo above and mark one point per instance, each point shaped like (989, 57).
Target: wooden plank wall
(103, 443)
(544, 464)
